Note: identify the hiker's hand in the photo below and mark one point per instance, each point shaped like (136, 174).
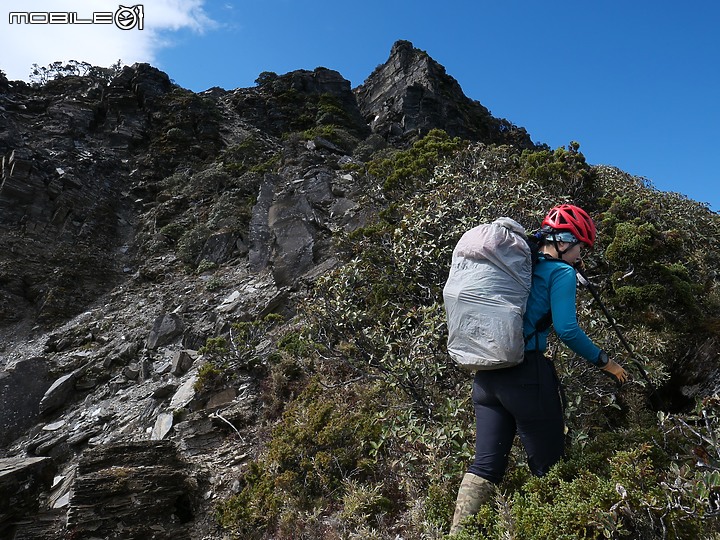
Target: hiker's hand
(617, 371)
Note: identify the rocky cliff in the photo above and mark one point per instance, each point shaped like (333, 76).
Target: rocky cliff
(427, 98)
(144, 229)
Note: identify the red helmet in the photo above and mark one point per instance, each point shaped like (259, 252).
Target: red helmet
(573, 219)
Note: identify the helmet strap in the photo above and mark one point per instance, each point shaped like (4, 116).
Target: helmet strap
(562, 252)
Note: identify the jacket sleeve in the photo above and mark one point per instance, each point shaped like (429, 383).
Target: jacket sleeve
(564, 314)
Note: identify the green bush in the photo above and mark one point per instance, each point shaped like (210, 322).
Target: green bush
(173, 231)
(206, 266)
(210, 377)
(321, 443)
(190, 244)
(214, 284)
(249, 513)
(251, 154)
(330, 111)
(407, 170)
(605, 491)
(322, 440)
(649, 278)
(563, 167)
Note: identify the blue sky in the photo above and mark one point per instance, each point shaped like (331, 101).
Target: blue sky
(637, 84)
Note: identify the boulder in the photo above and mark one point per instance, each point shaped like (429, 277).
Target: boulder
(22, 480)
(166, 328)
(140, 488)
(163, 425)
(219, 247)
(182, 361)
(22, 388)
(290, 219)
(58, 393)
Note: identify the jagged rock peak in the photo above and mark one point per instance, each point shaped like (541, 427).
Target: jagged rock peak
(411, 93)
(419, 68)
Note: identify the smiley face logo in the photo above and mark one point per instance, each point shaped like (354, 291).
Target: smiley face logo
(127, 18)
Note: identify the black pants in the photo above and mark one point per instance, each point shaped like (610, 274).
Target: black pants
(526, 400)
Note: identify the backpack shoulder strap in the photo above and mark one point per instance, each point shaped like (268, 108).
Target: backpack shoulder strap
(534, 246)
(541, 325)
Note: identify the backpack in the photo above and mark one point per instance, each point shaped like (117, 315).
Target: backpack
(486, 293)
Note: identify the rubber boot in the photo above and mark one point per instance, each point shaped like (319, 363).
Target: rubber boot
(473, 493)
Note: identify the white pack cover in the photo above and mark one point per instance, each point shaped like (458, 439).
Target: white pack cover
(485, 296)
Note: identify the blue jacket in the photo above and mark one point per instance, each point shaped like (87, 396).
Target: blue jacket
(554, 288)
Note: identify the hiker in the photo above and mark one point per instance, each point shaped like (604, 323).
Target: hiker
(527, 398)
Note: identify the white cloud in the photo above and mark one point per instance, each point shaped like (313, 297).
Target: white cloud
(23, 45)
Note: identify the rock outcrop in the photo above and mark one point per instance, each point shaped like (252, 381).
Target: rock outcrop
(22, 481)
(132, 490)
(427, 98)
(22, 387)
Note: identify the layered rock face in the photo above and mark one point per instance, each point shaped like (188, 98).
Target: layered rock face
(427, 98)
(66, 211)
(144, 483)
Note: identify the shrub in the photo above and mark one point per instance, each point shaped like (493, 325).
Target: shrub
(364, 505)
(266, 78)
(43, 74)
(249, 513)
(206, 266)
(333, 133)
(622, 495)
(190, 244)
(330, 111)
(563, 167)
(173, 231)
(649, 277)
(210, 377)
(321, 442)
(406, 170)
(214, 284)
(248, 155)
